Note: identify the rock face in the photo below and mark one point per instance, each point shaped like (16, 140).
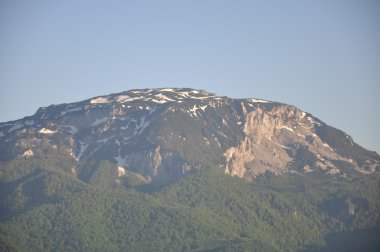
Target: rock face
(283, 137)
(162, 134)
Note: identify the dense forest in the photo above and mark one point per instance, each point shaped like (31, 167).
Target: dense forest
(44, 208)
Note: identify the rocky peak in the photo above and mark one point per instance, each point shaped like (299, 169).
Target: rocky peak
(159, 95)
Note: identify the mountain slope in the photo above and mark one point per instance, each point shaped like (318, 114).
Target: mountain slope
(159, 135)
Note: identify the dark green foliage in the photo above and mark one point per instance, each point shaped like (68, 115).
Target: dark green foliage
(104, 176)
(45, 209)
(352, 241)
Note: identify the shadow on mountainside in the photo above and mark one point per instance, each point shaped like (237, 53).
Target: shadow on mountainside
(359, 240)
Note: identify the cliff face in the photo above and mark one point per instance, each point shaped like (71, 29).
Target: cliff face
(285, 139)
(162, 134)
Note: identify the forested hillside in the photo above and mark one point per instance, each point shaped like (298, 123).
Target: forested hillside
(45, 209)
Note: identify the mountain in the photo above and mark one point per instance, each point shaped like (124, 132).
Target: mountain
(185, 170)
(159, 135)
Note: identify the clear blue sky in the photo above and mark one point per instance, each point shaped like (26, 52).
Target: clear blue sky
(322, 56)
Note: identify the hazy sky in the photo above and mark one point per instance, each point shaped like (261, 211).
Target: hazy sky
(322, 56)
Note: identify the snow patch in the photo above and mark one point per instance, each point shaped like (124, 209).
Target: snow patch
(120, 171)
(258, 101)
(83, 147)
(99, 121)
(328, 146)
(216, 139)
(193, 110)
(142, 125)
(47, 131)
(203, 107)
(302, 136)
(28, 153)
(158, 101)
(104, 140)
(204, 97)
(312, 121)
(140, 91)
(127, 98)
(333, 171)
(282, 146)
(15, 127)
(206, 140)
(183, 94)
(167, 90)
(99, 100)
(287, 128)
(306, 168)
(163, 97)
(70, 110)
(186, 94)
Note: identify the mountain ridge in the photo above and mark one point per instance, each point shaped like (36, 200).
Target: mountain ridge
(161, 134)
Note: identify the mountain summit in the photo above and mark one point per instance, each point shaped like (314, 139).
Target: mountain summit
(156, 136)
